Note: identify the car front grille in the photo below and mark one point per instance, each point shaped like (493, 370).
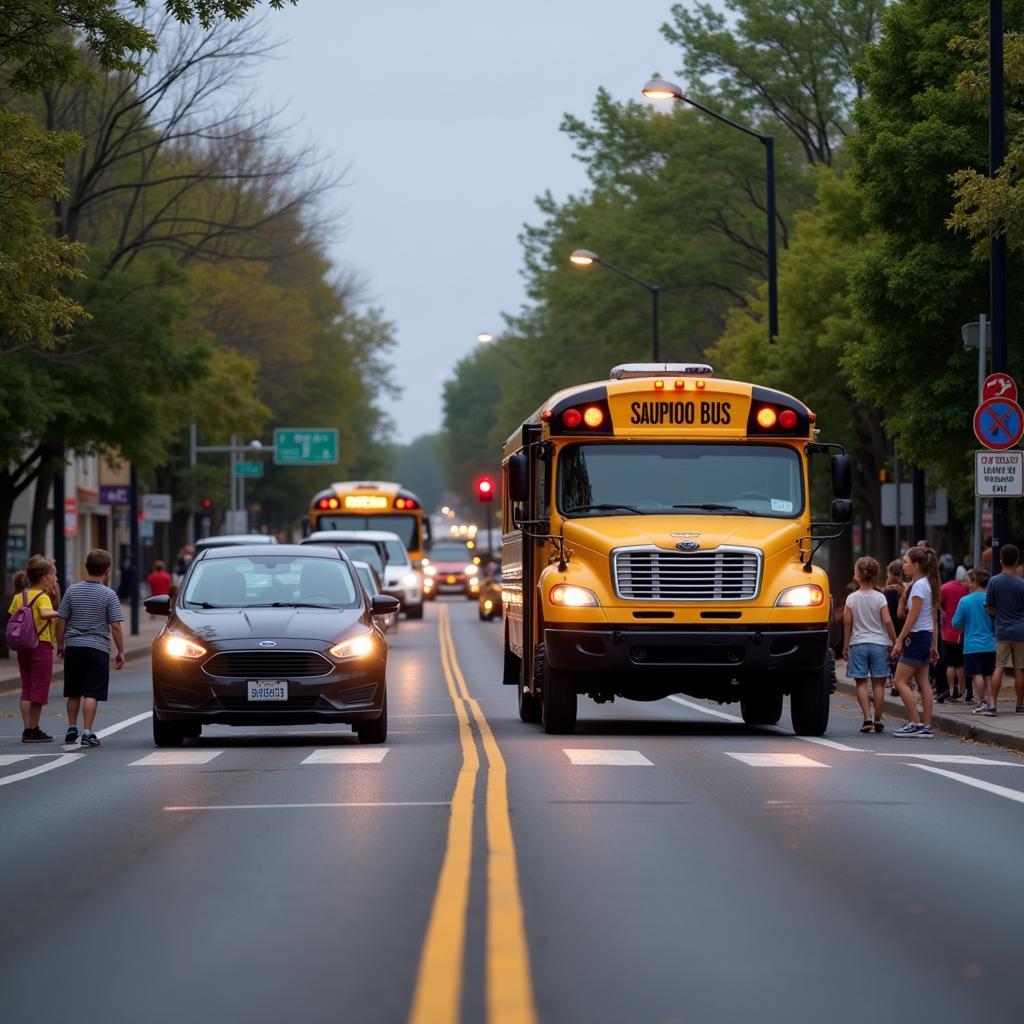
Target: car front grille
(267, 664)
(724, 574)
(306, 702)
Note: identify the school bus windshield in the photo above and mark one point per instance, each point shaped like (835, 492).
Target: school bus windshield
(680, 479)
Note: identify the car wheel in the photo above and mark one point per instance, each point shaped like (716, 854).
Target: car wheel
(761, 703)
(414, 611)
(809, 699)
(167, 734)
(375, 730)
(557, 700)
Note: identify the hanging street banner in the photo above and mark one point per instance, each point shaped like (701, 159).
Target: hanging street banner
(999, 423)
(999, 474)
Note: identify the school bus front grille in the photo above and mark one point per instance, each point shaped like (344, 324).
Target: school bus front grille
(651, 574)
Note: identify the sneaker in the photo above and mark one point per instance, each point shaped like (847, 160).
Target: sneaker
(925, 732)
(90, 739)
(42, 737)
(71, 736)
(980, 709)
(879, 725)
(943, 697)
(969, 699)
(866, 727)
(34, 736)
(955, 699)
(990, 712)
(907, 729)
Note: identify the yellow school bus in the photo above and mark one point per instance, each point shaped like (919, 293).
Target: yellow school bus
(373, 505)
(657, 539)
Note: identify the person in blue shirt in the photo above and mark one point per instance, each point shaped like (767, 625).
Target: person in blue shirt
(973, 619)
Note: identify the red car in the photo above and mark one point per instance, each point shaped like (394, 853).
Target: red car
(451, 570)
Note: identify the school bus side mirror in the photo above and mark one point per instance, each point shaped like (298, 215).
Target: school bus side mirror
(842, 478)
(519, 477)
(842, 510)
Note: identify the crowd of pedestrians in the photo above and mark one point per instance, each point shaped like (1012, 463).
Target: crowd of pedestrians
(934, 641)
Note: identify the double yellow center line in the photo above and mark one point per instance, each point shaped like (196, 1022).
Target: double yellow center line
(439, 983)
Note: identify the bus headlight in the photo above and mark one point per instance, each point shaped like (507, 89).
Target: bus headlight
(357, 647)
(810, 595)
(182, 647)
(567, 596)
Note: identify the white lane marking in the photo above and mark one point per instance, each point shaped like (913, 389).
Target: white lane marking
(704, 710)
(348, 755)
(274, 807)
(952, 758)
(623, 758)
(777, 760)
(176, 757)
(989, 787)
(831, 744)
(118, 726)
(7, 759)
(39, 769)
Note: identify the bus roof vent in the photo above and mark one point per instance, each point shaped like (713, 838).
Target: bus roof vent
(628, 371)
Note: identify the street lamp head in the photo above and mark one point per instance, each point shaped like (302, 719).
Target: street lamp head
(583, 257)
(659, 89)
(256, 445)
(484, 337)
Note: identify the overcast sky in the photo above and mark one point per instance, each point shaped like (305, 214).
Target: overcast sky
(447, 115)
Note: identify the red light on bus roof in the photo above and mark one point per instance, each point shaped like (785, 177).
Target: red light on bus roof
(322, 503)
(572, 418)
(787, 419)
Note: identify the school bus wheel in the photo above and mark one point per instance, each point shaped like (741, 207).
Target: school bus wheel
(761, 702)
(557, 700)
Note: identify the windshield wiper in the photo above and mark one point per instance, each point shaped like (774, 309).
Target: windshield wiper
(606, 507)
(206, 604)
(709, 506)
(293, 604)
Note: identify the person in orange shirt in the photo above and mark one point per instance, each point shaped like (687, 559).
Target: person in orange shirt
(39, 583)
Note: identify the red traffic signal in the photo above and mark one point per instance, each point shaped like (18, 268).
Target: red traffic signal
(207, 504)
(485, 489)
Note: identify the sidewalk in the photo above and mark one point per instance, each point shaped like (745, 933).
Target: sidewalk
(1007, 730)
(134, 647)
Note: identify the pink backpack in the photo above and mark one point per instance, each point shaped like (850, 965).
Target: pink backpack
(21, 626)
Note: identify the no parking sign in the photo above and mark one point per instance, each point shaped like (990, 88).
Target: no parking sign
(999, 423)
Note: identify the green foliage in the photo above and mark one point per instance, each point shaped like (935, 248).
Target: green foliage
(417, 465)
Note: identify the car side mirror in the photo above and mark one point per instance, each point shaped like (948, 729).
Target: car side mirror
(519, 477)
(842, 476)
(384, 604)
(842, 510)
(159, 605)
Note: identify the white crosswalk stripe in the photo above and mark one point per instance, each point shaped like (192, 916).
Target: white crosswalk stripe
(7, 759)
(177, 757)
(348, 755)
(618, 758)
(777, 760)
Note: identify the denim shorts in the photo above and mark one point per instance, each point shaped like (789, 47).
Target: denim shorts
(918, 650)
(868, 660)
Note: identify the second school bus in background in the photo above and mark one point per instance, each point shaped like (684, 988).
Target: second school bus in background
(657, 539)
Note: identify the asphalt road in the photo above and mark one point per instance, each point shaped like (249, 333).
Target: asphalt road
(474, 872)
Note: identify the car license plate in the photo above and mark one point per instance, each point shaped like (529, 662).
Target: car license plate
(268, 689)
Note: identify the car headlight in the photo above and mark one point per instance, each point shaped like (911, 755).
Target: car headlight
(488, 605)
(358, 647)
(568, 596)
(810, 595)
(429, 570)
(472, 569)
(182, 647)
(410, 580)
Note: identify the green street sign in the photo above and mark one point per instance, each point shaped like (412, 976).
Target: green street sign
(248, 469)
(313, 446)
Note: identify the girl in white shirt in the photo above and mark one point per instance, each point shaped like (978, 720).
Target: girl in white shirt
(868, 634)
(917, 645)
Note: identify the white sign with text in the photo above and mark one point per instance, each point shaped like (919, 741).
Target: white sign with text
(999, 474)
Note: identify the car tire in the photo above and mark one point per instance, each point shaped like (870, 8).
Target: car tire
(557, 701)
(167, 734)
(375, 730)
(761, 703)
(809, 699)
(414, 611)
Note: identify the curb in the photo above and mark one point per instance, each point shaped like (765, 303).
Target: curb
(130, 654)
(953, 726)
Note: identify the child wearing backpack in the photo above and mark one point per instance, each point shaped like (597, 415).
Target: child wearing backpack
(31, 634)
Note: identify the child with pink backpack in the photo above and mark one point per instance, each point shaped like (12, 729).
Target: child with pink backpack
(30, 632)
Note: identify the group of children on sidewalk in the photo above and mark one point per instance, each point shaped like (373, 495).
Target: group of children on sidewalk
(78, 632)
(988, 638)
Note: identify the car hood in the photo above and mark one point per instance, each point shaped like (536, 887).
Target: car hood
(268, 623)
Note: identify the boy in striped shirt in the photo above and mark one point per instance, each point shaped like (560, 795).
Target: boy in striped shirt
(88, 615)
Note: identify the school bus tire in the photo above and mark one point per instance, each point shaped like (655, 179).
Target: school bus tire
(557, 701)
(761, 703)
(414, 611)
(809, 700)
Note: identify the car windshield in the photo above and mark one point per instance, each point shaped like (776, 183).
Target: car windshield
(680, 479)
(450, 553)
(256, 582)
(403, 525)
(397, 555)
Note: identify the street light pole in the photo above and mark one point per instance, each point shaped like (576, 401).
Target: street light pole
(661, 90)
(586, 258)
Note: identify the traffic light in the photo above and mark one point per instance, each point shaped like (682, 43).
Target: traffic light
(207, 504)
(485, 489)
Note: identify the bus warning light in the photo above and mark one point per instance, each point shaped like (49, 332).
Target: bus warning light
(593, 416)
(766, 417)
